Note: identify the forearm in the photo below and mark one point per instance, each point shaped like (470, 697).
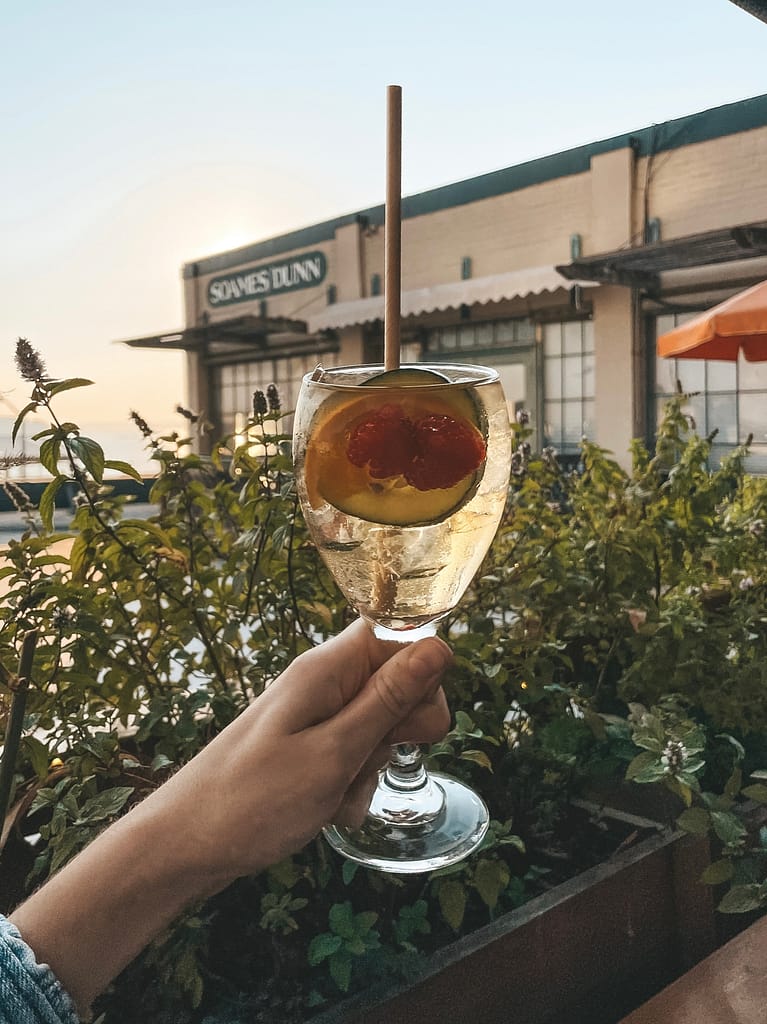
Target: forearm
(96, 914)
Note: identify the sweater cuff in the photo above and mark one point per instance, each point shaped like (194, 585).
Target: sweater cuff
(30, 993)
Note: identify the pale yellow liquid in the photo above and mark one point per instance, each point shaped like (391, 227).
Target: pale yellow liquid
(401, 577)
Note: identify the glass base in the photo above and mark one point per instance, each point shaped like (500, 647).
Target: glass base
(398, 837)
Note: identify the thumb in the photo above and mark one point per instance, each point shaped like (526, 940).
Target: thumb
(411, 676)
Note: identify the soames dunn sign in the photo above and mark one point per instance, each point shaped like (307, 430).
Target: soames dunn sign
(288, 275)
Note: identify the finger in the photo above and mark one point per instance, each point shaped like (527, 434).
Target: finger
(318, 683)
(427, 723)
(391, 694)
(356, 802)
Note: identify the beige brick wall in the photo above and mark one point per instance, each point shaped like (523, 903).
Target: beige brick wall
(527, 228)
(709, 185)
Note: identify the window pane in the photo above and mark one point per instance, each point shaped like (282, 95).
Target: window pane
(552, 339)
(691, 373)
(752, 376)
(448, 338)
(525, 331)
(588, 376)
(552, 423)
(504, 332)
(572, 342)
(588, 420)
(722, 415)
(721, 375)
(552, 378)
(573, 376)
(588, 335)
(753, 417)
(664, 323)
(483, 335)
(695, 408)
(572, 428)
(665, 376)
(411, 351)
(466, 336)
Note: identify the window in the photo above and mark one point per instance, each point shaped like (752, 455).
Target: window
(235, 384)
(482, 334)
(568, 384)
(730, 398)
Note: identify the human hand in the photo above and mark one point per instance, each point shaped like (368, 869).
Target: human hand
(305, 754)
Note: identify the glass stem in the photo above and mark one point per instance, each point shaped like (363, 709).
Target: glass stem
(405, 771)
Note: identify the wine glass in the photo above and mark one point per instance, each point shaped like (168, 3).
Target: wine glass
(402, 477)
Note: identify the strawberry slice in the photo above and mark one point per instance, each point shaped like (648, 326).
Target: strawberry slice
(385, 442)
(432, 453)
(447, 451)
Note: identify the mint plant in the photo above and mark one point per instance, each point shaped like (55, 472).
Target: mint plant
(617, 627)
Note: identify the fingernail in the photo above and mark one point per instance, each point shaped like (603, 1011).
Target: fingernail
(429, 657)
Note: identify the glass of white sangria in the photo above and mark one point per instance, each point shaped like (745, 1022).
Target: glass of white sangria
(402, 477)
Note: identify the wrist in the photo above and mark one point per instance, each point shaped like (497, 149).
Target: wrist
(138, 873)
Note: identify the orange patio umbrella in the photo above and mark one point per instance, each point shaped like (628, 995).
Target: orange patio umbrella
(739, 324)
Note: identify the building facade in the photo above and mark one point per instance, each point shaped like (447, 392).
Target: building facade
(560, 272)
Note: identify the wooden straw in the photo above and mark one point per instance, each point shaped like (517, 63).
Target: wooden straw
(393, 229)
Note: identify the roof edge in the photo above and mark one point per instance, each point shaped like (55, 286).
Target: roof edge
(715, 122)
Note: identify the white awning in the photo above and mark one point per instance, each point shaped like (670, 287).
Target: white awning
(474, 291)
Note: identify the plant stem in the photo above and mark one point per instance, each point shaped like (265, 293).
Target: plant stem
(16, 721)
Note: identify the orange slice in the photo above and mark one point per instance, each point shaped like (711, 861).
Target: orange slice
(331, 477)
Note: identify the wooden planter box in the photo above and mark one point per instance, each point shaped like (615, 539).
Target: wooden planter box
(587, 952)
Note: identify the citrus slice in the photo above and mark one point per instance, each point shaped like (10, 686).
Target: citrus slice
(406, 378)
(405, 458)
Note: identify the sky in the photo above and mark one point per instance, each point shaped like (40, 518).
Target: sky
(137, 137)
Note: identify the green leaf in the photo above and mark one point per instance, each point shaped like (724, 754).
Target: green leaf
(91, 454)
(728, 827)
(125, 468)
(341, 918)
(757, 792)
(341, 971)
(64, 849)
(680, 787)
(491, 877)
(349, 870)
(29, 407)
(355, 946)
(39, 756)
(452, 902)
(717, 872)
(323, 946)
(695, 820)
(48, 500)
(477, 757)
(56, 387)
(740, 900)
(640, 763)
(735, 781)
(364, 921)
(106, 804)
(50, 451)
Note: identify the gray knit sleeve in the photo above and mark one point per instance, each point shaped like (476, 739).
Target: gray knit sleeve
(30, 993)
